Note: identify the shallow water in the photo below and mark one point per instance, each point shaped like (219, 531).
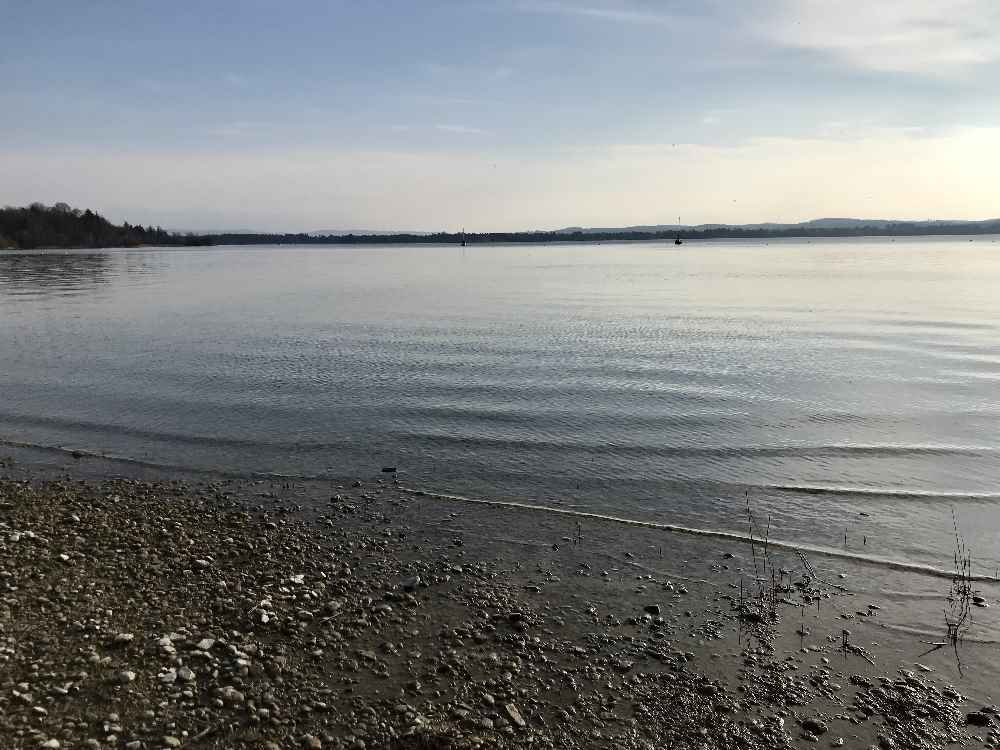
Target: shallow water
(851, 386)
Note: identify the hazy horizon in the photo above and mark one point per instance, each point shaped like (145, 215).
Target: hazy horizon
(502, 115)
(637, 227)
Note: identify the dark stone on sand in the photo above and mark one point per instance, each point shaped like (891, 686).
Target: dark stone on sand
(814, 726)
(978, 719)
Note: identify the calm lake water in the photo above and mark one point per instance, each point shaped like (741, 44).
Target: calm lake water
(849, 385)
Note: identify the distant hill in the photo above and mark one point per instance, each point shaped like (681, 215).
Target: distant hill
(364, 233)
(826, 223)
(209, 232)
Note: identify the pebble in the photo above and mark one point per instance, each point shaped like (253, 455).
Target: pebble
(185, 675)
(231, 695)
(168, 678)
(515, 715)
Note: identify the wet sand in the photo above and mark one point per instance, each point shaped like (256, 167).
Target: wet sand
(146, 611)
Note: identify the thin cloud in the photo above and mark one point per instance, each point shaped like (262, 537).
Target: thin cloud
(929, 37)
(619, 12)
(440, 99)
(237, 128)
(437, 69)
(152, 85)
(461, 129)
(236, 80)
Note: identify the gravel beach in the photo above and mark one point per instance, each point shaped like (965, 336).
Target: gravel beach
(262, 614)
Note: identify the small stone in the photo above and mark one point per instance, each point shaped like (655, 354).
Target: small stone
(231, 695)
(652, 609)
(123, 639)
(515, 715)
(125, 677)
(53, 744)
(185, 675)
(169, 677)
(166, 645)
(205, 644)
(311, 743)
(171, 741)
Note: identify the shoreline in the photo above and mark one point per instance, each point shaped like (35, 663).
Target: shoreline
(556, 240)
(430, 618)
(134, 467)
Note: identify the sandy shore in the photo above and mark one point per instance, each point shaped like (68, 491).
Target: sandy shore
(144, 613)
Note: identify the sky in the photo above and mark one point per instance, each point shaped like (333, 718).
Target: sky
(493, 115)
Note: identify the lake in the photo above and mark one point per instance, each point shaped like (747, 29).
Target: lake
(850, 386)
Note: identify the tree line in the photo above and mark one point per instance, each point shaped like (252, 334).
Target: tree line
(61, 226)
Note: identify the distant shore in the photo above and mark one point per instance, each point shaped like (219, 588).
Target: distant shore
(685, 234)
(159, 612)
(63, 227)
